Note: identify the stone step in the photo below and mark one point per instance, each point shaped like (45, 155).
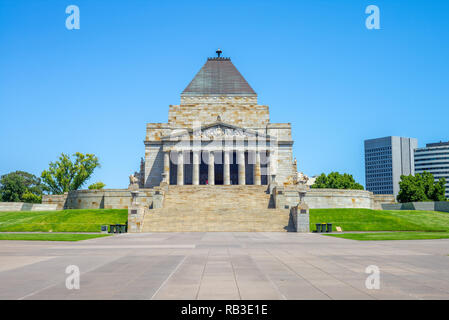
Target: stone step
(220, 198)
(216, 208)
(223, 227)
(177, 220)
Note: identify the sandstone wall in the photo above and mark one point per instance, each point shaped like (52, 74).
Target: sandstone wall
(281, 131)
(242, 115)
(333, 198)
(287, 196)
(154, 165)
(380, 199)
(57, 199)
(101, 199)
(315, 198)
(155, 131)
(21, 206)
(284, 163)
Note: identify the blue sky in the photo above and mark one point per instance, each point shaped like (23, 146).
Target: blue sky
(313, 62)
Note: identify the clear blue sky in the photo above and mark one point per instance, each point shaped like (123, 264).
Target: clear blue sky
(313, 62)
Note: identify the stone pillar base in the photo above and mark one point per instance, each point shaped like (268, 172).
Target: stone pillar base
(301, 219)
(135, 214)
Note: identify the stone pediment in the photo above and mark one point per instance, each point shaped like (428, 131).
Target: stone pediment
(216, 130)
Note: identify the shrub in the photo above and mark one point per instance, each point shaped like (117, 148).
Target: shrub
(97, 186)
(335, 180)
(31, 197)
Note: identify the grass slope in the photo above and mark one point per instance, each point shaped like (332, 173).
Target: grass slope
(392, 236)
(90, 220)
(381, 220)
(85, 220)
(50, 236)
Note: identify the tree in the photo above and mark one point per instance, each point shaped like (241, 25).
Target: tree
(97, 186)
(335, 180)
(421, 187)
(20, 186)
(411, 189)
(66, 175)
(439, 192)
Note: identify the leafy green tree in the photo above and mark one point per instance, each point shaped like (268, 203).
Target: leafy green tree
(439, 192)
(411, 189)
(66, 175)
(335, 180)
(97, 186)
(20, 186)
(421, 187)
(31, 197)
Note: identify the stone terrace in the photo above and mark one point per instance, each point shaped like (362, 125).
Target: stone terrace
(224, 266)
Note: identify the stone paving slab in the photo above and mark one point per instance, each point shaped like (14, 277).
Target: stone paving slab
(225, 265)
(13, 262)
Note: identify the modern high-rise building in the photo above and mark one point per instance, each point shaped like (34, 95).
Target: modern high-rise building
(434, 158)
(386, 159)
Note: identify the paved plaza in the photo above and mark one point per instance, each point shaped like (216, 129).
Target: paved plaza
(224, 266)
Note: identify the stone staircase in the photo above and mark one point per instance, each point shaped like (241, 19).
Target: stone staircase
(217, 208)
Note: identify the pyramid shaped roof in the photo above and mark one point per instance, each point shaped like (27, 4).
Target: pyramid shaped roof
(218, 77)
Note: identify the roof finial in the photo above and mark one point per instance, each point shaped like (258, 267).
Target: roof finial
(219, 52)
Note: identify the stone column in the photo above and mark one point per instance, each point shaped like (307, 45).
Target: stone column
(273, 167)
(211, 177)
(268, 160)
(256, 169)
(180, 168)
(167, 166)
(196, 168)
(226, 168)
(241, 163)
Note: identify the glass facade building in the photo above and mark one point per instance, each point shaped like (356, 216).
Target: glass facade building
(434, 158)
(386, 159)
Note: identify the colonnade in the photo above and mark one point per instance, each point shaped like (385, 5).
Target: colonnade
(179, 155)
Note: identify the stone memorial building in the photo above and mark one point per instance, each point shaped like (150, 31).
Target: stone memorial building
(218, 164)
(218, 135)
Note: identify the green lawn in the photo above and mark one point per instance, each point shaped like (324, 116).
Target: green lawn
(50, 236)
(381, 220)
(392, 236)
(90, 220)
(85, 220)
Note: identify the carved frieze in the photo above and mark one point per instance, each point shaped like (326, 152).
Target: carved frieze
(222, 132)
